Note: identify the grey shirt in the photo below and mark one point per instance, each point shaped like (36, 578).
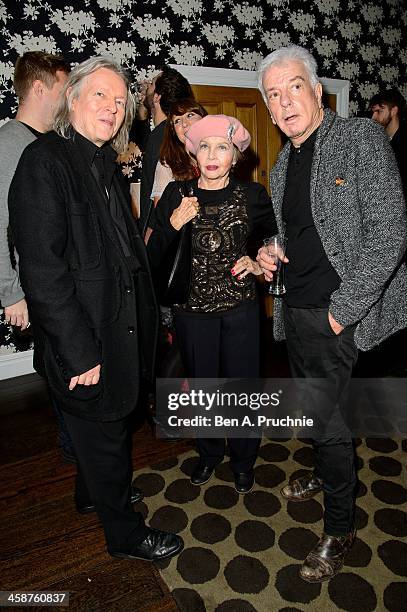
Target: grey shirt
(14, 137)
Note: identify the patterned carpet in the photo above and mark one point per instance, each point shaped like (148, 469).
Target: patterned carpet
(242, 553)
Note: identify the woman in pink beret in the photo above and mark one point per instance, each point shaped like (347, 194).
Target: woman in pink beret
(217, 323)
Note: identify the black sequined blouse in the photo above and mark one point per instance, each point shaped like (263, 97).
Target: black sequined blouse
(232, 222)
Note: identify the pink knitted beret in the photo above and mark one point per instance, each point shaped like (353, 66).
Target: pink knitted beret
(223, 126)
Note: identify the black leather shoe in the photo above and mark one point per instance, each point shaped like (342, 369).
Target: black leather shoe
(201, 474)
(86, 507)
(326, 558)
(302, 488)
(244, 481)
(156, 546)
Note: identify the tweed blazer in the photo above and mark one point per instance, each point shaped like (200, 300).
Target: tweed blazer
(359, 212)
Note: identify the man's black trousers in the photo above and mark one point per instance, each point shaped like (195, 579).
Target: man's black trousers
(103, 452)
(315, 351)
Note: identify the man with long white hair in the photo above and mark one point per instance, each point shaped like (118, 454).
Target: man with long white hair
(338, 200)
(85, 275)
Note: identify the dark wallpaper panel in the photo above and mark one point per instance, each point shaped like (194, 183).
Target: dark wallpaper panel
(364, 42)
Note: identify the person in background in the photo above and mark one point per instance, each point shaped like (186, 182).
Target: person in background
(167, 87)
(176, 163)
(389, 109)
(86, 277)
(218, 327)
(38, 80)
(338, 200)
(131, 160)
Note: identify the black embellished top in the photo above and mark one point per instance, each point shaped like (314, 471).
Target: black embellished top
(232, 222)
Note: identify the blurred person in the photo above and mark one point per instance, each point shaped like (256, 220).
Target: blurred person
(164, 89)
(176, 163)
(38, 80)
(389, 109)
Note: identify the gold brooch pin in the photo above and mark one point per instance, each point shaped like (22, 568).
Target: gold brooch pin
(339, 181)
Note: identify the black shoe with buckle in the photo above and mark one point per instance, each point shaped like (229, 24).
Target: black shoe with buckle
(326, 559)
(156, 546)
(86, 506)
(244, 481)
(201, 474)
(302, 488)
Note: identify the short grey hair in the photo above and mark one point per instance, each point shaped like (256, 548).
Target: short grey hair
(62, 122)
(285, 54)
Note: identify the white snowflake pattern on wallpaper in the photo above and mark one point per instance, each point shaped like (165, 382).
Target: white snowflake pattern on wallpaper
(27, 41)
(279, 3)
(220, 5)
(72, 22)
(326, 47)
(6, 77)
(348, 69)
(248, 60)
(367, 90)
(186, 8)
(353, 107)
(115, 20)
(248, 15)
(391, 36)
(32, 9)
(115, 5)
(328, 7)
(370, 53)
(3, 12)
(6, 72)
(274, 40)
(190, 55)
(303, 22)
(121, 51)
(372, 13)
(149, 27)
(8, 349)
(350, 30)
(389, 73)
(217, 34)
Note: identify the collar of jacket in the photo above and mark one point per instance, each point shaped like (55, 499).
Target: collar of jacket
(279, 172)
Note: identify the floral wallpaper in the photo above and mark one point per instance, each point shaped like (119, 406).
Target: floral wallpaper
(362, 41)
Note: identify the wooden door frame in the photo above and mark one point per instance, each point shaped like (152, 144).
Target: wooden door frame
(224, 77)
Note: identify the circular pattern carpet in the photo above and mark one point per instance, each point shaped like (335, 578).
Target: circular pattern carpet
(243, 553)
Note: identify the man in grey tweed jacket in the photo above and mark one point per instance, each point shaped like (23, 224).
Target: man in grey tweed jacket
(338, 199)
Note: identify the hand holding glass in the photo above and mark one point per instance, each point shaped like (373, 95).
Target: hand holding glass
(276, 246)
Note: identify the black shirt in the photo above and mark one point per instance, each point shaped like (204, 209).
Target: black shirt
(150, 159)
(309, 277)
(102, 161)
(36, 133)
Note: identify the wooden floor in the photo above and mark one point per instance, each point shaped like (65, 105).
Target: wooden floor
(44, 543)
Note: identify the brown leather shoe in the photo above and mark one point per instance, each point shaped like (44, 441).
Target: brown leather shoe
(302, 488)
(326, 559)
